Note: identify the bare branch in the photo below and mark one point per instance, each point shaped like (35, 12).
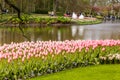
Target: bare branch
(14, 7)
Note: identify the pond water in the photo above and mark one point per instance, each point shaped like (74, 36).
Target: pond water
(72, 32)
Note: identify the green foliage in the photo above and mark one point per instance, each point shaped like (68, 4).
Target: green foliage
(63, 20)
(4, 17)
(25, 18)
(15, 20)
(51, 20)
(40, 20)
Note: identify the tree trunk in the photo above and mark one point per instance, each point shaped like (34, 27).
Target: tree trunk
(55, 3)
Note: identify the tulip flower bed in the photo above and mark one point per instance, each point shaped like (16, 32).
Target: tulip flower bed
(30, 59)
(110, 59)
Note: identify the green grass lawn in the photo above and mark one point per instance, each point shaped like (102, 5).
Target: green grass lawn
(98, 72)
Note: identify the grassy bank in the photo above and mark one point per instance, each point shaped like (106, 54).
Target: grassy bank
(98, 72)
(89, 22)
(45, 19)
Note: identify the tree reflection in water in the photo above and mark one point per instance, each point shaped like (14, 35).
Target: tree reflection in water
(74, 32)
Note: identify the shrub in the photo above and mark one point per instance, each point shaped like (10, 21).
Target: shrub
(52, 20)
(63, 20)
(15, 20)
(25, 18)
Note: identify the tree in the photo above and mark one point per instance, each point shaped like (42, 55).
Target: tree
(14, 7)
(55, 5)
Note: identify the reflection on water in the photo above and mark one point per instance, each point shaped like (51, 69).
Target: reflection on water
(77, 30)
(73, 32)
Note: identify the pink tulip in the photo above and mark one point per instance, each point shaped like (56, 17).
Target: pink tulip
(103, 49)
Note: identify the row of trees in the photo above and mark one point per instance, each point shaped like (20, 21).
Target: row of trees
(86, 6)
